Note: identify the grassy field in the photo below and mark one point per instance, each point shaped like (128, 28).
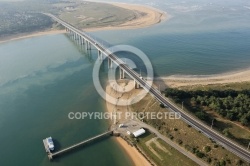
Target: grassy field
(161, 153)
(188, 137)
(89, 15)
(235, 86)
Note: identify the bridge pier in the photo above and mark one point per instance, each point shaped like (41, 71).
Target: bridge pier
(74, 36)
(77, 38)
(88, 45)
(82, 41)
(136, 85)
(100, 55)
(122, 73)
(70, 33)
(110, 63)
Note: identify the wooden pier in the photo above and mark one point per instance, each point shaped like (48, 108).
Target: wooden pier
(52, 155)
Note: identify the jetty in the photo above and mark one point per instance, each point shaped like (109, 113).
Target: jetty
(52, 155)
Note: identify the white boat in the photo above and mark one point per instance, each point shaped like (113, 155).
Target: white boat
(50, 143)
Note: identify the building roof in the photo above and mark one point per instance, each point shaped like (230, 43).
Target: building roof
(139, 132)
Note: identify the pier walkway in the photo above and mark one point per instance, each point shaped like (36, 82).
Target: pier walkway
(52, 155)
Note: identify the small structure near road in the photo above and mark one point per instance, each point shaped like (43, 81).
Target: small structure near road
(121, 125)
(139, 132)
(128, 128)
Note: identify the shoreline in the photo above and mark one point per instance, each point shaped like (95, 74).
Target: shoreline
(153, 16)
(237, 76)
(136, 157)
(30, 35)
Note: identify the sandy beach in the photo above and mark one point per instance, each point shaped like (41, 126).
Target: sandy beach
(29, 35)
(132, 152)
(176, 81)
(153, 16)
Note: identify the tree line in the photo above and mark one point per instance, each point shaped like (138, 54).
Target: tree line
(16, 22)
(230, 104)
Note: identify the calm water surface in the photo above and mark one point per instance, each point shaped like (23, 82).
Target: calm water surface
(43, 79)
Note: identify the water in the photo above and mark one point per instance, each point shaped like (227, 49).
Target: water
(201, 37)
(196, 53)
(44, 78)
(55, 79)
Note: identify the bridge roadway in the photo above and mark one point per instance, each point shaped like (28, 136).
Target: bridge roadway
(225, 142)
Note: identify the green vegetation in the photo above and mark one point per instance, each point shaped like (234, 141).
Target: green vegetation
(207, 149)
(192, 140)
(161, 153)
(23, 17)
(227, 109)
(235, 86)
(23, 23)
(89, 15)
(199, 154)
(230, 104)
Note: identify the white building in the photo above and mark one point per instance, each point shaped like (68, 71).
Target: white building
(139, 132)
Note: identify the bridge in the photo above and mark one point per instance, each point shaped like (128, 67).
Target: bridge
(89, 41)
(52, 155)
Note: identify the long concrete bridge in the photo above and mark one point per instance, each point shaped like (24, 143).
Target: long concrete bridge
(89, 42)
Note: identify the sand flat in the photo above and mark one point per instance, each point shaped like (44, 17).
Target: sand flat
(176, 81)
(29, 35)
(152, 16)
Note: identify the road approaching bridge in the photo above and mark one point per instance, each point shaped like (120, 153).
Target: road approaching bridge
(89, 41)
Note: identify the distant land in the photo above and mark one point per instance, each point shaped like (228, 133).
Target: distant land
(25, 17)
